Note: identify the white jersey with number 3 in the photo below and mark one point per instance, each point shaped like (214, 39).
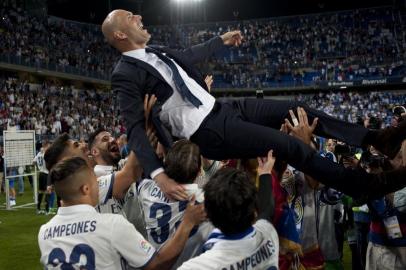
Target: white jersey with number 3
(257, 248)
(39, 159)
(162, 216)
(80, 238)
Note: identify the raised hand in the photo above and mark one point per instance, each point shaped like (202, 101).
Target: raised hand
(149, 102)
(209, 81)
(172, 190)
(265, 164)
(232, 38)
(194, 213)
(300, 127)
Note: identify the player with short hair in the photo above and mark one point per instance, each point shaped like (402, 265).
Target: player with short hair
(105, 152)
(42, 179)
(80, 238)
(239, 242)
(110, 185)
(162, 215)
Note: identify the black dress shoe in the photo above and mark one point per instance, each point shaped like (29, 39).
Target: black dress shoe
(389, 140)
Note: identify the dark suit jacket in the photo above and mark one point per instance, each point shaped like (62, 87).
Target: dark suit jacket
(132, 79)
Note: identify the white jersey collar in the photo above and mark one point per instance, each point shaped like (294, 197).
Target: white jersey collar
(79, 208)
(101, 170)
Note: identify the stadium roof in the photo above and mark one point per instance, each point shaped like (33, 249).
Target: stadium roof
(158, 11)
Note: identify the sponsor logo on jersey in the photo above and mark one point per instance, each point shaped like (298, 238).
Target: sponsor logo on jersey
(145, 246)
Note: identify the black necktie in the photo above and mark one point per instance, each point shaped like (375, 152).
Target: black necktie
(179, 83)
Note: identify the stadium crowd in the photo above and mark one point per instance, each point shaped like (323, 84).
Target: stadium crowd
(52, 110)
(291, 51)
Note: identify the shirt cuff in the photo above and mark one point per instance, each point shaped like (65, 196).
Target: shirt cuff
(156, 172)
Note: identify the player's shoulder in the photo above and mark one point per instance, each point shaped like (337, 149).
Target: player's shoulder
(205, 261)
(44, 227)
(145, 184)
(265, 226)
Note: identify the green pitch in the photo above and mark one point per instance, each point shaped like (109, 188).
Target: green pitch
(18, 233)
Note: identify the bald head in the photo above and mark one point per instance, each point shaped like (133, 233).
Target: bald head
(110, 25)
(124, 31)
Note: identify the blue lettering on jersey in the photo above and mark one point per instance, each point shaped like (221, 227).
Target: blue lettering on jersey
(57, 258)
(70, 229)
(161, 233)
(156, 192)
(263, 254)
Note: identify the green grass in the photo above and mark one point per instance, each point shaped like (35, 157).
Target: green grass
(19, 229)
(18, 233)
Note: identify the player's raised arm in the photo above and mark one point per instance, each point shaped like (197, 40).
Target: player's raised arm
(130, 173)
(266, 201)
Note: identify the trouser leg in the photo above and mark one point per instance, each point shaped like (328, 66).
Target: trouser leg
(271, 113)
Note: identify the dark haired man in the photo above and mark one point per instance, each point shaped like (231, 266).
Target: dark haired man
(105, 152)
(244, 238)
(80, 238)
(162, 215)
(110, 185)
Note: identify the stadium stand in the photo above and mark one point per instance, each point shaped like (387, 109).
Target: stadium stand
(277, 52)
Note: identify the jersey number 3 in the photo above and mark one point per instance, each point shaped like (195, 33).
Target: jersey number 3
(163, 221)
(57, 257)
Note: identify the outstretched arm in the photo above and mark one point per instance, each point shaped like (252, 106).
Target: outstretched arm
(266, 203)
(203, 51)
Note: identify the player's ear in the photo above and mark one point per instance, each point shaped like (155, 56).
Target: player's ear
(85, 189)
(119, 35)
(94, 152)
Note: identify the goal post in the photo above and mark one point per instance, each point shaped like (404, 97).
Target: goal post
(19, 151)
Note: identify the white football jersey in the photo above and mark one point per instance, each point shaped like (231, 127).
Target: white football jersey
(162, 216)
(111, 205)
(80, 238)
(133, 211)
(40, 161)
(106, 183)
(257, 248)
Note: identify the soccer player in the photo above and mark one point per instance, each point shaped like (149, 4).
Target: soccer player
(110, 185)
(162, 215)
(239, 242)
(43, 179)
(80, 238)
(106, 155)
(105, 152)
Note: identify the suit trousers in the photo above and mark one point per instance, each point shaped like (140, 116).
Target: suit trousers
(249, 128)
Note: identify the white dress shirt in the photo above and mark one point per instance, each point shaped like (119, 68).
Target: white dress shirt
(178, 115)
